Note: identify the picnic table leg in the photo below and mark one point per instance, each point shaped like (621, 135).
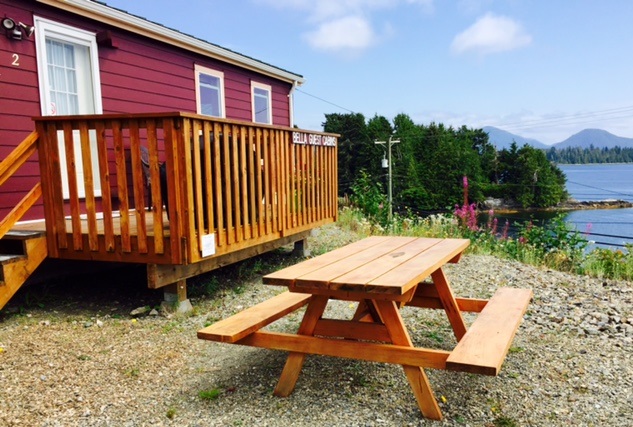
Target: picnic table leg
(448, 301)
(417, 378)
(293, 365)
(366, 312)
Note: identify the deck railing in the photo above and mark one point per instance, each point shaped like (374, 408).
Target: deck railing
(8, 167)
(175, 188)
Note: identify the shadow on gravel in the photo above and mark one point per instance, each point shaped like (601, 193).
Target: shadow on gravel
(97, 288)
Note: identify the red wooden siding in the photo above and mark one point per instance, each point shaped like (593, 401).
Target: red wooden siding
(19, 101)
(138, 76)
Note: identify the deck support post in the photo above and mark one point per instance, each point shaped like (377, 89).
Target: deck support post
(176, 297)
(302, 248)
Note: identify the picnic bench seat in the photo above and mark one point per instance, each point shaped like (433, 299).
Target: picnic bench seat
(485, 345)
(238, 326)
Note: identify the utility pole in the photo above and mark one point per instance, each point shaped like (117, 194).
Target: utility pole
(389, 189)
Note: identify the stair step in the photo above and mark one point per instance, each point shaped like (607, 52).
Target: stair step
(21, 252)
(14, 242)
(22, 234)
(7, 259)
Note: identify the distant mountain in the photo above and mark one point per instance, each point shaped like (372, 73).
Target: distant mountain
(503, 139)
(597, 137)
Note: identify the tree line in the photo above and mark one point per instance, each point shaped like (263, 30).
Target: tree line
(430, 162)
(577, 155)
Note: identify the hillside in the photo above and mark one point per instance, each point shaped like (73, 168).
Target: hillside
(597, 137)
(584, 139)
(503, 139)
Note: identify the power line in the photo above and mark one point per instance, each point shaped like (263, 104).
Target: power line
(614, 113)
(602, 222)
(324, 100)
(601, 189)
(608, 114)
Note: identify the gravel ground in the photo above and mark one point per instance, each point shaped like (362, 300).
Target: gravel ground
(83, 360)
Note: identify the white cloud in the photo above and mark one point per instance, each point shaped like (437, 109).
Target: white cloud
(344, 25)
(350, 32)
(491, 34)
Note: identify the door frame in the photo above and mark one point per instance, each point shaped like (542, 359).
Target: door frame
(47, 28)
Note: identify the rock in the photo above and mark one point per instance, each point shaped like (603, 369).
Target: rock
(140, 311)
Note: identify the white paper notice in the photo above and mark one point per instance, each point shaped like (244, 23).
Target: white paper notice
(208, 245)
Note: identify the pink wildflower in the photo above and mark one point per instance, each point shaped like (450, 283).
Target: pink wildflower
(506, 228)
(588, 229)
(472, 217)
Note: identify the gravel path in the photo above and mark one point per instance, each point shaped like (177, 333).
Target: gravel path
(86, 362)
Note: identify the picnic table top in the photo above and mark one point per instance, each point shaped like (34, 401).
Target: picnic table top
(386, 265)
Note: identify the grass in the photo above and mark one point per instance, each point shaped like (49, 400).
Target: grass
(134, 372)
(212, 394)
(435, 336)
(504, 421)
(171, 413)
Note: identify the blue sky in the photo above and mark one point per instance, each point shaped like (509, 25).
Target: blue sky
(543, 69)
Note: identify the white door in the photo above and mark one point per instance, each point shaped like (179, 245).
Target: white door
(68, 71)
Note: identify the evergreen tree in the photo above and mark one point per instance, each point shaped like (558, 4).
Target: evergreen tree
(430, 162)
(353, 136)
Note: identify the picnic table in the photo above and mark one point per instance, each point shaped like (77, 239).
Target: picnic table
(382, 274)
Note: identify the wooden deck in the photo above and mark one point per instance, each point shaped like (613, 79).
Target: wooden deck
(217, 186)
(179, 192)
(40, 225)
(75, 249)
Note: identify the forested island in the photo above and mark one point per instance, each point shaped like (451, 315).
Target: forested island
(578, 155)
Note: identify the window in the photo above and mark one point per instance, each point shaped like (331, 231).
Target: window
(262, 108)
(209, 92)
(68, 72)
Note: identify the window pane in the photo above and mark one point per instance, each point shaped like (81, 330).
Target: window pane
(209, 102)
(262, 113)
(210, 95)
(55, 52)
(62, 74)
(69, 56)
(72, 81)
(207, 80)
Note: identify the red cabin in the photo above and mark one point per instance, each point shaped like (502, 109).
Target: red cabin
(126, 141)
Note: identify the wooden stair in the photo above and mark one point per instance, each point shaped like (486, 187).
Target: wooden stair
(21, 252)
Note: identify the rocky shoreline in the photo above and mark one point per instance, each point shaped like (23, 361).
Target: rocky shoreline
(601, 204)
(501, 205)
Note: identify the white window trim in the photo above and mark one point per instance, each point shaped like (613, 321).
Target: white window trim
(45, 27)
(270, 100)
(199, 69)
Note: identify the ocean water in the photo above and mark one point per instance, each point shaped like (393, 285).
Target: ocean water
(605, 228)
(599, 182)
(611, 228)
